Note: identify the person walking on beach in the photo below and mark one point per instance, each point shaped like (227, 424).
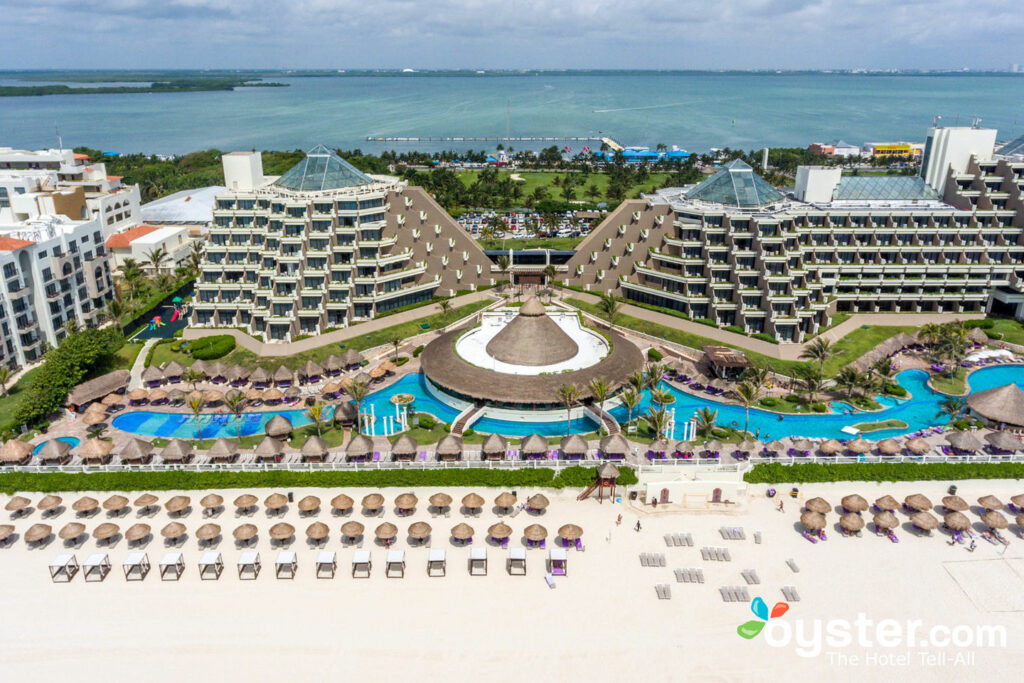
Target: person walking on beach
(782, 505)
(637, 527)
(618, 522)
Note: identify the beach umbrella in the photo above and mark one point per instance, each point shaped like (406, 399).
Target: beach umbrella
(715, 445)
(1004, 441)
(71, 531)
(113, 400)
(499, 531)
(362, 378)
(812, 521)
(994, 520)
(747, 446)
(505, 500)
(462, 531)
(17, 504)
(115, 503)
(831, 447)
(137, 532)
(917, 502)
(48, 503)
(292, 392)
(854, 503)
(54, 449)
(38, 532)
(386, 531)
(535, 532)
(990, 502)
(1018, 500)
(105, 531)
(157, 395)
(211, 501)
(91, 419)
(245, 532)
(777, 446)
(819, 505)
(176, 450)
(136, 449)
(924, 520)
(1020, 520)
(419, 530)
(245, 501)
(472, 501)
(957, 521)
(137, 395)
(342, 502)
(964, 441)
(658, 446)
(406, 501)
(253, 395)
(538, 502)
(317, 531)
(373, 501)
(798, 445)
(440, 500)
(269, 448)
(352, 529)
(7, 529)
(918, 446)
(954, 503)
(177, 504)
(378, 372)
(859, 445)
(213, 396)
(851, 522)
(145, 501)
(173, 530)
(85, 504)
(309, 504)
(275, 501)
(570, 532)
(208, 532)
(282, 531)
(886, 502)
(889, 446)
(886, 520)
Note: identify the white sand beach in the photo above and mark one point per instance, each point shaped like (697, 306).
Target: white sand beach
(602, 622)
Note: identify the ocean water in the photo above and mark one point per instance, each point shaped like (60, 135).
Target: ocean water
(694, 110)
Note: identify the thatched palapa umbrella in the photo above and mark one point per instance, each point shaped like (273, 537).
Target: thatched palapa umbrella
(831, 447)
(137, 532)
(17, 504)
(223, 450)
(535, 533)
(494, 446)
(373, 501)
(994, 520)
(449, 447)
(177, 504)
(472, 501)
(854, 503)
(106, 531)
(212, 501)
(282, 531)
(208, 532)
(1003, 404)
(570, 532)
(136, 450)
(419, 530)
(1018, 500)
(7, 529)
(800, 445)
(924, 521)
(990, 502)
(115, 503)
(48, 503)
(964, 441)
(309, 504)
(315, 448)
(888, 447)
(404, 447)
(957, 521)
(352, 529)
(499, 531)
(386, 531)
(311, 369)
(177, 450)
(246, 501)
(54, 449)
(406, 501)
(812, 521)
(462, 532)
(505, 500)
(851, 522)
(342, 502)
(954, 503)
(269, 448)
(317, 531)
(886, 520)
(245, 532)
(275, 502)
(819, 505)
(859, 445)
(917, 502)
(886, 502)
(85, 504)
(113, 400)
(1005, 441)
(537, 502)
(15, 451)
(361, 446)
(173, 531)
(440, 500)
(146, 501)
(71, 531)
(37, 533)
(918, 446)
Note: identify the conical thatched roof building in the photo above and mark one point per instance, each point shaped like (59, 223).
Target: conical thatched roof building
(1003, 404)
(573, 445)
(360, 446)
(404, 445)
(278, 426)
(532, 338)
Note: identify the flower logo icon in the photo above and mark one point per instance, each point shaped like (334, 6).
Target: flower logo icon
(759, 607)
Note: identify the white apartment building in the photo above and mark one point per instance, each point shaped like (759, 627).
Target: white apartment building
(116, 206)
(140, 242)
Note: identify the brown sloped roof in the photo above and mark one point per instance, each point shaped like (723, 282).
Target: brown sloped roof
(360, 446)
(261, 375)
(574, 444)
(449, 445)
(1001, 404)
(534, 443)
(54, 449)
(223, 448)
(332, 362)
(279, 425)
(614, 444)
(351, 357)
(99, 387)
(442, 365)
(173, 369)
(314, 446)
(269, 447)
(532, 338)
(152, 374)
(176, 449)
(494, 443)
(310, 369)
(283, 374)
(405, 445)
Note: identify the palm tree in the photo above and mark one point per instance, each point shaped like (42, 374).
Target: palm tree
(757, 375)
(132, 274)
(930, 333)
(395, 343)
(114, 309)
(359, 391)
(883, 369)
(549, 275)
(156, 258)
(653, 372)
(446, 308)
(600, 388)
(5, 376)
(810, 382)
(195, 404)
(638, 381)
(705, 419)
(195, 256)
(630, 399)
(503, 265)
(568, 394)
(661, 396)
(848, 378)
(818, 350)
(952, 406)
(609, 306)
(746, 395)
(657, 420)
(316, 413)
(235, 401)
(191, 376)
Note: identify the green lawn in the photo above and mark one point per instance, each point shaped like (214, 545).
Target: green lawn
(877, 426)
(15, 395)
(556, 243)
(955, 385)
(534, 179)
(125, 356)
(860, 341)
(240, 356)
(1008, 330)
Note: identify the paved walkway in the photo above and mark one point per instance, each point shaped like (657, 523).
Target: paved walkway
(358, 330)
(780, 351)
(135, 381)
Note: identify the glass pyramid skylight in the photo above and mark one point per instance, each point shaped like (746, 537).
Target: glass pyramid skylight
(1013, 147)
(735, 184)
(321, 170)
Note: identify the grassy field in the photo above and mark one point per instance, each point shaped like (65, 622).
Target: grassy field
(15, 394)
(1008, 330)
(534, 179)
(955, 385)
(125, 356)
(240, 356)
(556, 243)
(878, 426)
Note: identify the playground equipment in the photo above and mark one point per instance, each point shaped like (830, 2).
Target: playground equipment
(607, 475)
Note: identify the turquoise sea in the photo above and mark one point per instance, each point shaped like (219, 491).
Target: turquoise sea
(693, 110)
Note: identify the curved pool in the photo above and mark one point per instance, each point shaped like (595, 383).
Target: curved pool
(921, 410)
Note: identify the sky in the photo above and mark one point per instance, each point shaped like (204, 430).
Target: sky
(491, 34)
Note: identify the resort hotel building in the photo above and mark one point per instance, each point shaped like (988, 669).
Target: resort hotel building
(736, 252)
(326, 245)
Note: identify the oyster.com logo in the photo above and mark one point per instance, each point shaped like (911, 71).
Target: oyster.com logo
(759, 607)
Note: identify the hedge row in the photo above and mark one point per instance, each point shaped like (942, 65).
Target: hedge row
(571, 477)
(212, 348)
(814, 473)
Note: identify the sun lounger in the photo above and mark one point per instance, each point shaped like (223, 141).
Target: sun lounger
(669, 541)
(750, 576)
(550, 580)
(664, 591)
(699, 574)
(726, 594)
(705, 554)
(789, 592)
(791, 563)
(742, 595)
(643, 559)
(725, 556)
(681, 576)
(757, 537)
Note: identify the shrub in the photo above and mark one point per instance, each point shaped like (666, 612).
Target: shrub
(705, 321)
(735, 328)
(895, 390)
(176, 347)
(962, 424)
(720, 432)
(819, 408)
(764, 336)
(427, 422)
(177, 335)
(654, 355)
(213, 347)
(417, 351)
(468, 432)
(792, 398)
(986, 324)
(402, 360)
(813, 473)
(769, 401)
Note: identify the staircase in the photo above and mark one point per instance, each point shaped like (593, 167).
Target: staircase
(603, 418)
(466, 418)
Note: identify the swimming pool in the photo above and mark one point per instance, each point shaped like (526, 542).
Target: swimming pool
(70, 440)
(921, 410)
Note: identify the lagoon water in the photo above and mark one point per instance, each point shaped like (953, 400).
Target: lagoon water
(693, 110)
